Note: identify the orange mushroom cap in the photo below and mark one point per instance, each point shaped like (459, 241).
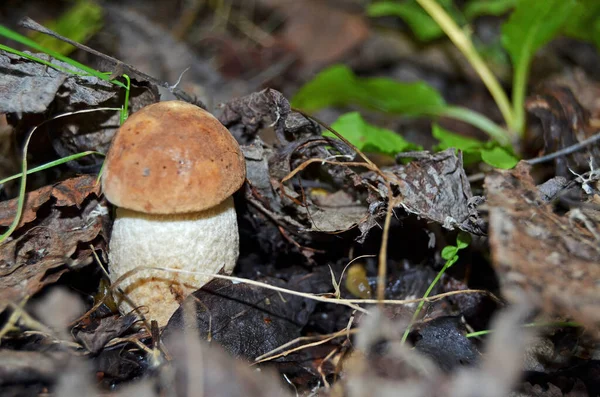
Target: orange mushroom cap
(170, 158)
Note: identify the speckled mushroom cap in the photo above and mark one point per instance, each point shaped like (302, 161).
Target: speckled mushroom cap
(170, 158)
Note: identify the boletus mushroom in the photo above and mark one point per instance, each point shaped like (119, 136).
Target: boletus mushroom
(171, 171)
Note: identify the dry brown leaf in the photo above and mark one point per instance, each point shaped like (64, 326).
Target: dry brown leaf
(557, 264)
(70, 192)
(70, 218)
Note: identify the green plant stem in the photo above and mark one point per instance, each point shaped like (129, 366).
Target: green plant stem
(125, 111)
(519, 88)
(529, 325)
(465, 45)
(449, 263)
(494, 131)
(22, 189)
(51, 164)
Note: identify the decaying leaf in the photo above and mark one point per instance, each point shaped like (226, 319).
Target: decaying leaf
(95, 335)
(60, 225)
(565, 123)
(94, 131)
(436, 188)
(554, 261)
(69, 192)
(29, 87)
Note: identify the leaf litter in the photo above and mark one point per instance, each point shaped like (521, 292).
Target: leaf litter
(310, 200)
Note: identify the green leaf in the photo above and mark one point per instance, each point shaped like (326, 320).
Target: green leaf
(450, 139)
(584, 22)
(533, 24)
(463, 239)
(420, 23)
(449, 252)
(530, 26)
(339, 86)
(78, 23)
(470, 147)
(477, 8)
(499, 157)
(474, 150)
(369, 138)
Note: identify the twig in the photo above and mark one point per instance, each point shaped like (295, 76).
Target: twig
(352, 303)
(119, 67)
(568, 150)
(269, 356)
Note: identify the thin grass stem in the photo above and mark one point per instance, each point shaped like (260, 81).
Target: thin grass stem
(51, 164)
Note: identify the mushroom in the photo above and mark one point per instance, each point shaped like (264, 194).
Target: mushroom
(171, 171)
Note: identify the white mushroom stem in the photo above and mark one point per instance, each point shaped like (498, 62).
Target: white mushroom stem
(205, 241)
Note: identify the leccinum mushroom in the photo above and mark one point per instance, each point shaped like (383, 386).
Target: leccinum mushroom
(171, 171)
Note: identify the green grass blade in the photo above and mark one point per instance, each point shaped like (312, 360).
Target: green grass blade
(40, 60)
(12, 35)
(22, 188)
(51, 164)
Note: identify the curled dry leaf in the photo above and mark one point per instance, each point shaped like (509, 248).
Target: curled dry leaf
(554, 261)
(436, 188)
(289, 139)
(433, 187)
(99, 332)
(58, 225)
(565, 123)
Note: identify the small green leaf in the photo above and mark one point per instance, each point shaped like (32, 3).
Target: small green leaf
(450, 139)
(470, 147)
(477, 8)
(499, 157)
(463, 239)
(420, 23)
(369, 138)
(475, 150)
(78, 23)
(339, 86)
(530, 26)
(533, 24)
(449, 252)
